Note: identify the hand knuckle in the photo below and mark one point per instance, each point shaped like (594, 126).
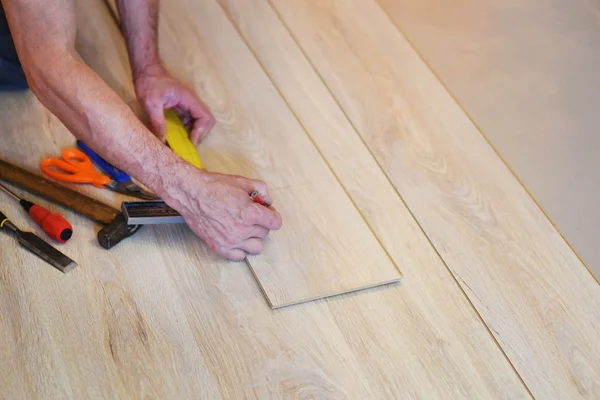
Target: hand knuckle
(249, 213)
(229, 241)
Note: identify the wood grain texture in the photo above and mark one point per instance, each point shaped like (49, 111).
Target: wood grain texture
(468, 202)
(526, 73)
(162, 317)
(325, 247)
(337, 140)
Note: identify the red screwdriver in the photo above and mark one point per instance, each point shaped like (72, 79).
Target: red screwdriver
(54, 225)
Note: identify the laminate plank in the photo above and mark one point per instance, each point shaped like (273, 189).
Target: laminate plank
(462, 194)
(526, 73)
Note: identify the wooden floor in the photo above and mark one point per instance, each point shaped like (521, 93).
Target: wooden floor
(526, 71)
(493, 303)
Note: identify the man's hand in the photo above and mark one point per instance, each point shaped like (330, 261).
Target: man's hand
(158, 91)
(218, 208)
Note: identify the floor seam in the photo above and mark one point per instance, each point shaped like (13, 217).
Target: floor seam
(487, 140)
(357, 131)
(438, 78)
(306, 131)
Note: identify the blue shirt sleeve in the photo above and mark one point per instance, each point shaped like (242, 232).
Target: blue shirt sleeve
(12, 76)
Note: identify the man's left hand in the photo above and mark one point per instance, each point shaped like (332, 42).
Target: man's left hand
(157, 91)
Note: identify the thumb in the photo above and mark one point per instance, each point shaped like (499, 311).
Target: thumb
(155, 112)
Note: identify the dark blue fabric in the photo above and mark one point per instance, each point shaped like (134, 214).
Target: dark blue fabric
(12, 76)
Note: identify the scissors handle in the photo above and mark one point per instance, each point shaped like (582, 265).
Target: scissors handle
(112, 171)
(68, 172)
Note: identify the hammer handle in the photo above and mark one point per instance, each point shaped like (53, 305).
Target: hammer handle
(91, 208)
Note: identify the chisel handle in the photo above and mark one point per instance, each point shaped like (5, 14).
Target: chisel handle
(6, 223)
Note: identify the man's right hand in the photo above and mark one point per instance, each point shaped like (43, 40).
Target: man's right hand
(218, 208)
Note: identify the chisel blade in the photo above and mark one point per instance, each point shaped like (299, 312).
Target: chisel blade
(46, 252)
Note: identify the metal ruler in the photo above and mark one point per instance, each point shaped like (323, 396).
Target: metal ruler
(150, 213)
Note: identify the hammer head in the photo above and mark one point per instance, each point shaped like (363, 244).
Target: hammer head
(113, 233)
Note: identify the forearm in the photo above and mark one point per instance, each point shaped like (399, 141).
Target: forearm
(139, 24)
(45, 30)
(95, 114)
(155, 88)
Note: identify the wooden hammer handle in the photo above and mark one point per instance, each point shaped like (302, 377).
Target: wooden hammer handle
(64, 196)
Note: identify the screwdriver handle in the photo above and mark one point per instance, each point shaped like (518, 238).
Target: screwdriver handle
(54, 225)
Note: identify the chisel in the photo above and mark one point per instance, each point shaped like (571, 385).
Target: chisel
(38, 247)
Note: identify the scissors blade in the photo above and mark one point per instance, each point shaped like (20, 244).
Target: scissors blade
(129, 188)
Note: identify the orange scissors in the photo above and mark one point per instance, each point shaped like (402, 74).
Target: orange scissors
(74, 167)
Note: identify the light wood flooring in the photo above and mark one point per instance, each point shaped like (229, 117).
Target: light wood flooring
(526, 72)
(493, 302)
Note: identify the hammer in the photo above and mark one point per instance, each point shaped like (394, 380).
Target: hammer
(115, 229)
